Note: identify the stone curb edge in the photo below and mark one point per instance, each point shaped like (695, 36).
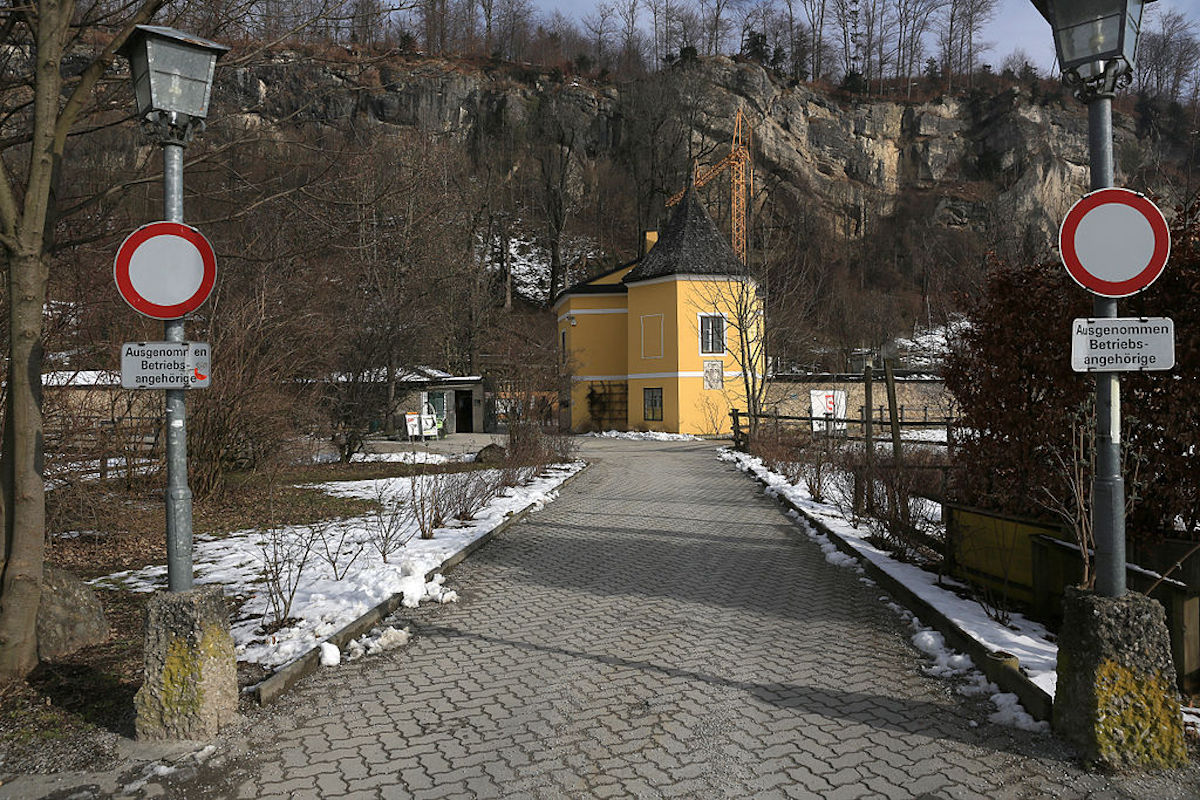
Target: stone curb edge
(1036, 700)
(278, 683)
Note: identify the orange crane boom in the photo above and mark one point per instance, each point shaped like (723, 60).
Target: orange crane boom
(741, 182)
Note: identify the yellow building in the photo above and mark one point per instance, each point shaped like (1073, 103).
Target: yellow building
(658, 344)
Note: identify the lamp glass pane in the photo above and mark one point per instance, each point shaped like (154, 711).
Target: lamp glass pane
(141, 80)
(1095, 39)
(1133, 31)
(180, 77)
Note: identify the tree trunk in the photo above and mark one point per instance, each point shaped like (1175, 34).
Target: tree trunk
(23, 490)
(389, 419)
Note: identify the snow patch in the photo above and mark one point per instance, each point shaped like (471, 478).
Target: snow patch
(330, 655)
(1010, 712)
(655, 436)
(370, 644)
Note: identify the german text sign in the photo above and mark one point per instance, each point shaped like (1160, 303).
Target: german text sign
(1119, 344)
(165, 365)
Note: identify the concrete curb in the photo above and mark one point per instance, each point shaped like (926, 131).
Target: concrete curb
(1036, 701)
(275, 685)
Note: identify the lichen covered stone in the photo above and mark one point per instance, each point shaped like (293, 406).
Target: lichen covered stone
(190, 685)
(1116, 698)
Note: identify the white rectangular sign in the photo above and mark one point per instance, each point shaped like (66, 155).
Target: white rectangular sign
(831, 405)
(1122, 344)
(420, 424)
(165, 365)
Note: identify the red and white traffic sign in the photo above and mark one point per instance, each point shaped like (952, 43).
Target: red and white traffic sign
(165, 270)
(1114, 242)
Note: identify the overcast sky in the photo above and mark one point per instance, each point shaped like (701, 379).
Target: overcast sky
(1017, 25)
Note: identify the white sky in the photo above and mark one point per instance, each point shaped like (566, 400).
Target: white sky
(1017, 25)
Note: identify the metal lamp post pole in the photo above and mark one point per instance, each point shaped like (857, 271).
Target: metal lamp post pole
(179, 495)
(1108, 486)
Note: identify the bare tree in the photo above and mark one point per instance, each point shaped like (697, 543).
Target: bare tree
(599, 26)
(1168, 56)
(42, 108)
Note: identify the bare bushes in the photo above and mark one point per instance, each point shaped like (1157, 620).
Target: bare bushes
(891, 497)
(390, 526)
(258, 403)
(534, 442)
(799, 455)
(469, 492)
(285, 552)
(338, 546)
(428, 496)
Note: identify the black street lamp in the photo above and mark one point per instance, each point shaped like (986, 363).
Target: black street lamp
(1097, 43)
(1096, 40)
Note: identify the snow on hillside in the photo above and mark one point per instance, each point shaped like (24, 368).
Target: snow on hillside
(529, 259)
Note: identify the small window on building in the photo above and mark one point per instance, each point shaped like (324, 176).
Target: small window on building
(564, 345)
(652, 405)
(712, 335)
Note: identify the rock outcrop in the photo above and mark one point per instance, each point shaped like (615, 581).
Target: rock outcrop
(994, 156)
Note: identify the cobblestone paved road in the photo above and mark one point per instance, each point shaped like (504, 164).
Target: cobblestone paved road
(660, 631)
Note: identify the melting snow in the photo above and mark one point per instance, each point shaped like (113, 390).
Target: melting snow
(1026, 639)
(324, 603)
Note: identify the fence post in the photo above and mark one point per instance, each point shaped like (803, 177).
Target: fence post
(864, 484)
(889, 375)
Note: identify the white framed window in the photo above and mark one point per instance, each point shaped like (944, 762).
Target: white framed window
(712, 334)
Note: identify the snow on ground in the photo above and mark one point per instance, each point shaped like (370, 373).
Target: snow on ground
(929, 347)
(657, 436)
(323, 603)
(1024, 638)
(412, 457)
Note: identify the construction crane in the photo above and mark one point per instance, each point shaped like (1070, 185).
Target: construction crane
(741, 182)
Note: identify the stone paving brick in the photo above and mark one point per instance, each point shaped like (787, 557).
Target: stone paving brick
(661, 630)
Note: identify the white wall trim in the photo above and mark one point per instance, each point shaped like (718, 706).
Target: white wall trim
(649, 376)
(582, 311)
(562, 298)
(667, 278)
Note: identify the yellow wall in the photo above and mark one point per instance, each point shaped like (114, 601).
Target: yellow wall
(595, 344)
(652, 307)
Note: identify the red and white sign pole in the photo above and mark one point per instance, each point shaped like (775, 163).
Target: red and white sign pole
(1114, 243)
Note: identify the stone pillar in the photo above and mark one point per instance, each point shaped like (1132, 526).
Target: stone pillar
(190, 685)
(1116, 698)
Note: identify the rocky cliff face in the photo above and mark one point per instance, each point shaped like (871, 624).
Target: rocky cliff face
(998, 157)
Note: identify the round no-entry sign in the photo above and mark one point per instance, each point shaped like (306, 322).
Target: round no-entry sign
(165, 270)
(1114, 242)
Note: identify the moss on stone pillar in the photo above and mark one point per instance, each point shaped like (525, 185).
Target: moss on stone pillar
(1116, 698)
(189, 688)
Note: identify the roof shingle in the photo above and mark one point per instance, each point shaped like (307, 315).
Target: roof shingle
(690, 244)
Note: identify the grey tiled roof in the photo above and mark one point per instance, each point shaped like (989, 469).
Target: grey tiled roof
(690, 244)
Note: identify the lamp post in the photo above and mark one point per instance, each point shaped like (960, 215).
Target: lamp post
(1096, 42)
(172, 81)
